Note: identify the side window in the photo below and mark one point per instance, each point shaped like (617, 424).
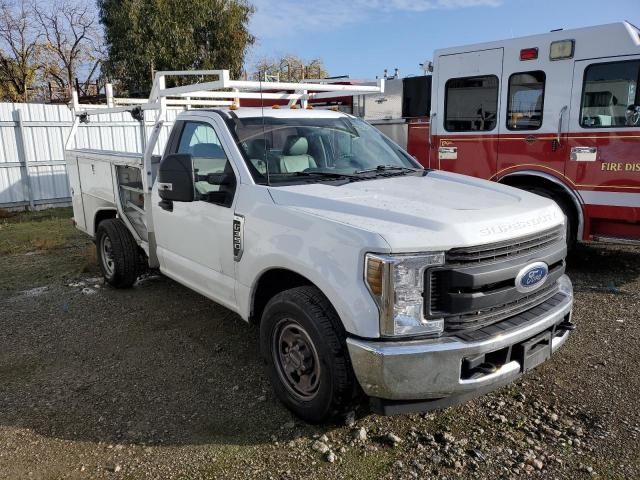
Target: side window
(214, 180)
(610, 96)
(471, 104)
(525, 101)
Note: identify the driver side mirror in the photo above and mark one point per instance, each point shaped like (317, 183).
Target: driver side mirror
(175, 178)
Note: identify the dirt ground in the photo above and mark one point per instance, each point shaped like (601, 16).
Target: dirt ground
(158, 382)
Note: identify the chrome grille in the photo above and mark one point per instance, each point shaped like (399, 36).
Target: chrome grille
(476, 286)
(495, 314)
(435, 293)
(503, 250)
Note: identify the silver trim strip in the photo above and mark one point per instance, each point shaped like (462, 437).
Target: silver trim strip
(617, 199)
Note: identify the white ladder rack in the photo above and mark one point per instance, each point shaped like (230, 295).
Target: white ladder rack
(221, 92)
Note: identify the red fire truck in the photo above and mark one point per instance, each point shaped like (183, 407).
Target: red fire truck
(557, 114)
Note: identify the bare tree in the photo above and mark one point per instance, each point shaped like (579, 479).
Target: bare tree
(18, 50)
(289, 68)
(71, 40)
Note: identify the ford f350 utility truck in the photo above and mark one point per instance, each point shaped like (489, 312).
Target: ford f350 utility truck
(365, 272)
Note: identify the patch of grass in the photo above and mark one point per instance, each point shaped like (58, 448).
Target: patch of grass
(40, 231)
(6, 214)
(37, 215)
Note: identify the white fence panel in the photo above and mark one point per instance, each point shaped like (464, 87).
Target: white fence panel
(32, 137)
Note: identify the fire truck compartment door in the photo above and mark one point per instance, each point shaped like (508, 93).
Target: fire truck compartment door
(468, 112)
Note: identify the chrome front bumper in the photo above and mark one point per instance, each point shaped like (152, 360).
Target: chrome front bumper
(432, 369)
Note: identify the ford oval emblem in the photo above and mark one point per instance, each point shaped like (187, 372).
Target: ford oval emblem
(531, 277)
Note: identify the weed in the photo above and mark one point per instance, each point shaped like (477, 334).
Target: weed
(89, 259)
(46, 243)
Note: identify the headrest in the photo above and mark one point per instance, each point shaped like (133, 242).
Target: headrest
(207, 150)
(296, 145)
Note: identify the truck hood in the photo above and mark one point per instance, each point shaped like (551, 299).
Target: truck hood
(436, 211)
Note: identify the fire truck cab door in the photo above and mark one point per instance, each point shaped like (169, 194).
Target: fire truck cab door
(604, 141)
(536, 102)
(467, 112)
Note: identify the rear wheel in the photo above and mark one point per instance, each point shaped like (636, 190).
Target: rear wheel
(118, 254)
(303, 343)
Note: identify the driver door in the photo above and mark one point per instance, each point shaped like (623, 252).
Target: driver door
(194, 239)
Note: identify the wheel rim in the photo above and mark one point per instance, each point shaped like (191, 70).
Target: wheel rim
(106, 250)
(296, 359)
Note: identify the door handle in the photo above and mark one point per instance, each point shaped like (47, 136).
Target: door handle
(448, 153)
(556, 143)
(584, 154)
(560, 118)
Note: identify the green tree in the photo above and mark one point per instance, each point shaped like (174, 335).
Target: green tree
(144, 36)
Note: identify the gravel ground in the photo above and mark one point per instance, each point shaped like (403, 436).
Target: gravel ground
(158, 382)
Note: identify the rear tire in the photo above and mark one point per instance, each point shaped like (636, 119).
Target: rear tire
(303, 343)
(567, 208)
(118, 254)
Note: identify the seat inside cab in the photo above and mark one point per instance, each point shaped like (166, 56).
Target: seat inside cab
(295, 155)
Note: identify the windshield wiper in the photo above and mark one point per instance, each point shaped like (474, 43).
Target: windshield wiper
(389, 168)
(324, 174)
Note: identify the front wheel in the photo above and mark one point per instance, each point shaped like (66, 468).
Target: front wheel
(118, 254)
(303, 343)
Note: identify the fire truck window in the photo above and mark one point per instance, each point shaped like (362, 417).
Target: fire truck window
(526, 100)
(610, 97)
(471, 104)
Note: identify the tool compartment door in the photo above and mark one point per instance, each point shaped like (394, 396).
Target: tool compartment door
(603, 160)
(76, 191)
(467, 115)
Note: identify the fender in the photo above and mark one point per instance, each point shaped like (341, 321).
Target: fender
(575, 198)
(98, 214)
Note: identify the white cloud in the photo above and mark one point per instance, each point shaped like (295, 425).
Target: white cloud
(279, 18)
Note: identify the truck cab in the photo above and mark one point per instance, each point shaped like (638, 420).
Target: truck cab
(364, 272)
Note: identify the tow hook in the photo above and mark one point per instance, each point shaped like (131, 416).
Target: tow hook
(486, 368)
(567, 325)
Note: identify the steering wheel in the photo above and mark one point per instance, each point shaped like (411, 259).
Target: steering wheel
(633, 115)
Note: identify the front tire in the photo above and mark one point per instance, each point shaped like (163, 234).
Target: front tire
(303, 343)
(118, 254)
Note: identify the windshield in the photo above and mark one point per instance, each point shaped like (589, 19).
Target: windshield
(308, 149)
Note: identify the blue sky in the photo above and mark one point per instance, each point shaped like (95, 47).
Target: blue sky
(361, 38)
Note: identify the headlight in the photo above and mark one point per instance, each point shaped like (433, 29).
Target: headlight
(396, 283)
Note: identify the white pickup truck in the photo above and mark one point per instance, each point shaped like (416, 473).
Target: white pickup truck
(364, 271)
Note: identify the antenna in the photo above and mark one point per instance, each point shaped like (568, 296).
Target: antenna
(264, 135)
